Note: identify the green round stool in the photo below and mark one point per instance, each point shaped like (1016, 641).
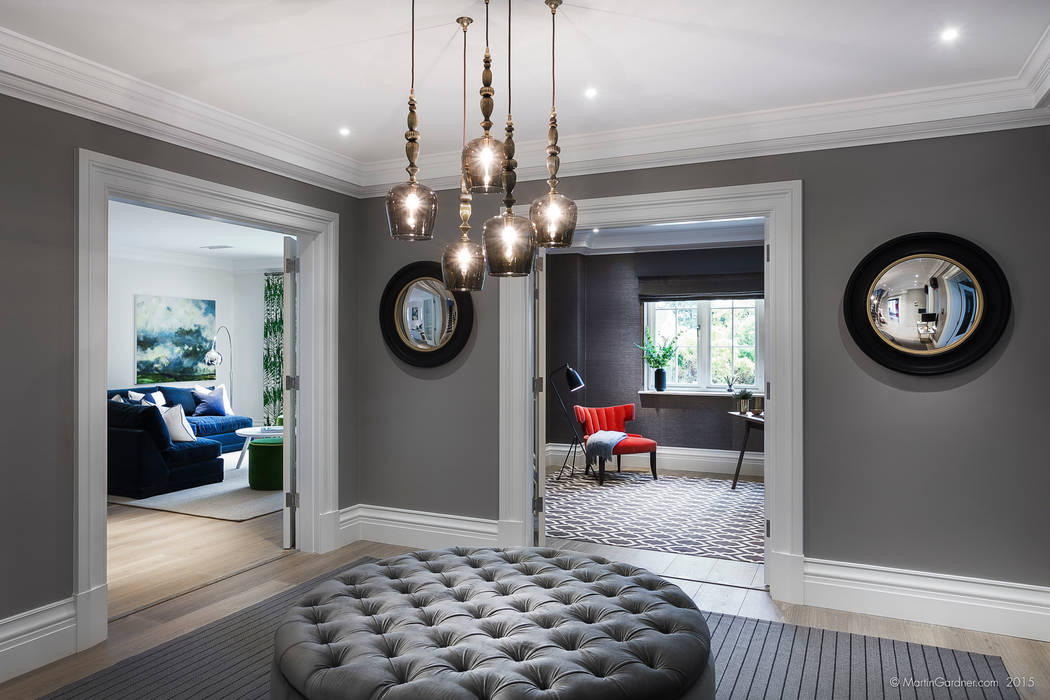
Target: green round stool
(266, 464)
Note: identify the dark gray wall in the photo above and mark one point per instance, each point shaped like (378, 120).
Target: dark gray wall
(942, 474)
(37, 181)
(594, 319)
(429, 438)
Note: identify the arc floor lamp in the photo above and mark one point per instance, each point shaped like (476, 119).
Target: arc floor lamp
(573, 382)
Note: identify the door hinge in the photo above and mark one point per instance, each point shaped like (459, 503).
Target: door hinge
(767, 527)
(767, 252)
(537, 505)
(539, 264)
(537, 385)
(291, 266)
(535, 294)
(767, 391)
(291, 500)
(291, 383)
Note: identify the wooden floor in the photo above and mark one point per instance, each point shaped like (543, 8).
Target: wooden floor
(153, 555)
(142, 630)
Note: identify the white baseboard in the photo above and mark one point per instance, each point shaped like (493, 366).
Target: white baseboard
(33, 638)
(413, 528)
(689, 459)
(999, 607)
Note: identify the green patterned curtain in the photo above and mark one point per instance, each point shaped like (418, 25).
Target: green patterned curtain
(273, 346)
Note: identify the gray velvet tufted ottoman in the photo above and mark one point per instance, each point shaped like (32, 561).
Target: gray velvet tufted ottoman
(496, 625)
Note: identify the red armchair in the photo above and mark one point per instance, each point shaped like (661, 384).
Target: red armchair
(615, 418)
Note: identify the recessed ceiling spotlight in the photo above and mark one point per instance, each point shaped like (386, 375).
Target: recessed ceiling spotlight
(595, 230)
(216, 246)
(344, 131)
(590, 93)
(949, 34)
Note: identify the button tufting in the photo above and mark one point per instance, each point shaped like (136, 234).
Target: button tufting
(475, 622)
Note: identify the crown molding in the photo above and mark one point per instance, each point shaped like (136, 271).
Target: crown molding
(1036, 71)
(42, 74)
(905, 116)
(36, 72)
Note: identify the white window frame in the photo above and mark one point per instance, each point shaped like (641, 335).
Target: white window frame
(703, 346)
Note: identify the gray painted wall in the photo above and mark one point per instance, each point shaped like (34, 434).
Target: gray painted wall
(943, 474)
(965, 494)
(429, 438)
(594, 318)
(37, 181)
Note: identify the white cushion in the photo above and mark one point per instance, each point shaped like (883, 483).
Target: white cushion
(156, 398)
(226, 406)
(175, 418)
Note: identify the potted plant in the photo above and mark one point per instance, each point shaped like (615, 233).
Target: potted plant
(743, 400)
(658, 355)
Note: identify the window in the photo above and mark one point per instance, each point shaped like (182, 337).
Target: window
(717, 339)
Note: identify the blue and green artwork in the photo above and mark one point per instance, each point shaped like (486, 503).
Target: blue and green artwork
(171, 337)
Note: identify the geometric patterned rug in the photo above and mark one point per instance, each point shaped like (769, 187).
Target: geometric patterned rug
(677, 514)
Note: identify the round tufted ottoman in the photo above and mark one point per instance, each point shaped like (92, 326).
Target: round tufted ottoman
(494, 624)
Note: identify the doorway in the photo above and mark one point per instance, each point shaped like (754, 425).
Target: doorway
(309, 505)
(523, 457)
(198, 332)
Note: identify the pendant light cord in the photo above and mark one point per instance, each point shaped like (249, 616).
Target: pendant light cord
(509, 111)
(413, 86)
(464, 86)
(486, 25)
(553, 12)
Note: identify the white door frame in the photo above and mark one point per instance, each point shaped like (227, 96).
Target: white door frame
(780, 203)
(100, 178)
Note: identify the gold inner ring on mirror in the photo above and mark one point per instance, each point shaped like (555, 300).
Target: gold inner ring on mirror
(399, 316)
(889, 340)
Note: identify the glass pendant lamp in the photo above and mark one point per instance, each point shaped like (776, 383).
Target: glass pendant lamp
(411, 207)
(553, 214)
(510, 240)
(483, 157)
(463, 262)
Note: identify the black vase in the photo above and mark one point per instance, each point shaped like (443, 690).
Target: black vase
(661, 379)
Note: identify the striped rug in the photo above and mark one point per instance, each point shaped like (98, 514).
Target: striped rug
(230, 659)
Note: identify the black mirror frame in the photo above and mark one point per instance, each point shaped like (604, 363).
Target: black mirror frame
(388, 327)
(987, 273)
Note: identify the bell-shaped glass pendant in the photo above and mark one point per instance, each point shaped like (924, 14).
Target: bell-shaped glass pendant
(554, 216)
(510, 245)
(463, 266)
(411, 209)
(483, 160)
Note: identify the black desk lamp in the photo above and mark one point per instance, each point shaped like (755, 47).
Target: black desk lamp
(574, 382)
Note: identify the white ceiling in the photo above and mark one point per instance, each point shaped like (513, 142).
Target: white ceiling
(305, 68)
(144, 233)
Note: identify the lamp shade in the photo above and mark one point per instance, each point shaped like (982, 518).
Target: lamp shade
(463, 266)
(212, 358)
(573, 379)
(510, 245)
(483, 160)
(554, 216)
(411, 209)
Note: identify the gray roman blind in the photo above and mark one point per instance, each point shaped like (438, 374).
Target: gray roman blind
(748, 285)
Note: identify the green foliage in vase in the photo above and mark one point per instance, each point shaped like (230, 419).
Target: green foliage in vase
(657, 355)
(742, 395)
(273, 346)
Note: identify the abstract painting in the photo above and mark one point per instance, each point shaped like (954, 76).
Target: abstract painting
(172, 335)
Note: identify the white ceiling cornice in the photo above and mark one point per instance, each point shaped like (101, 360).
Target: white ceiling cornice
(45, 75)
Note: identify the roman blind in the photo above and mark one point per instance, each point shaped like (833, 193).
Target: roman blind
(748, 285)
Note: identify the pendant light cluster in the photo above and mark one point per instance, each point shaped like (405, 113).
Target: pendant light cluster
(510, 241)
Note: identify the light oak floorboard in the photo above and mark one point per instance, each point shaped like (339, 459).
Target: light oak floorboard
(160, 623)
(154, 555)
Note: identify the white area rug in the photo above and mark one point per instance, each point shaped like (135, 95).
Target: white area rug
(230, 499)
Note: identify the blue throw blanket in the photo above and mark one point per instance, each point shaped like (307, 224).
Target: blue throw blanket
(601, 443)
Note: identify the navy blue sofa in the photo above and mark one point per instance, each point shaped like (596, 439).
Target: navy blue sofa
(143, 460)
(221, 429)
